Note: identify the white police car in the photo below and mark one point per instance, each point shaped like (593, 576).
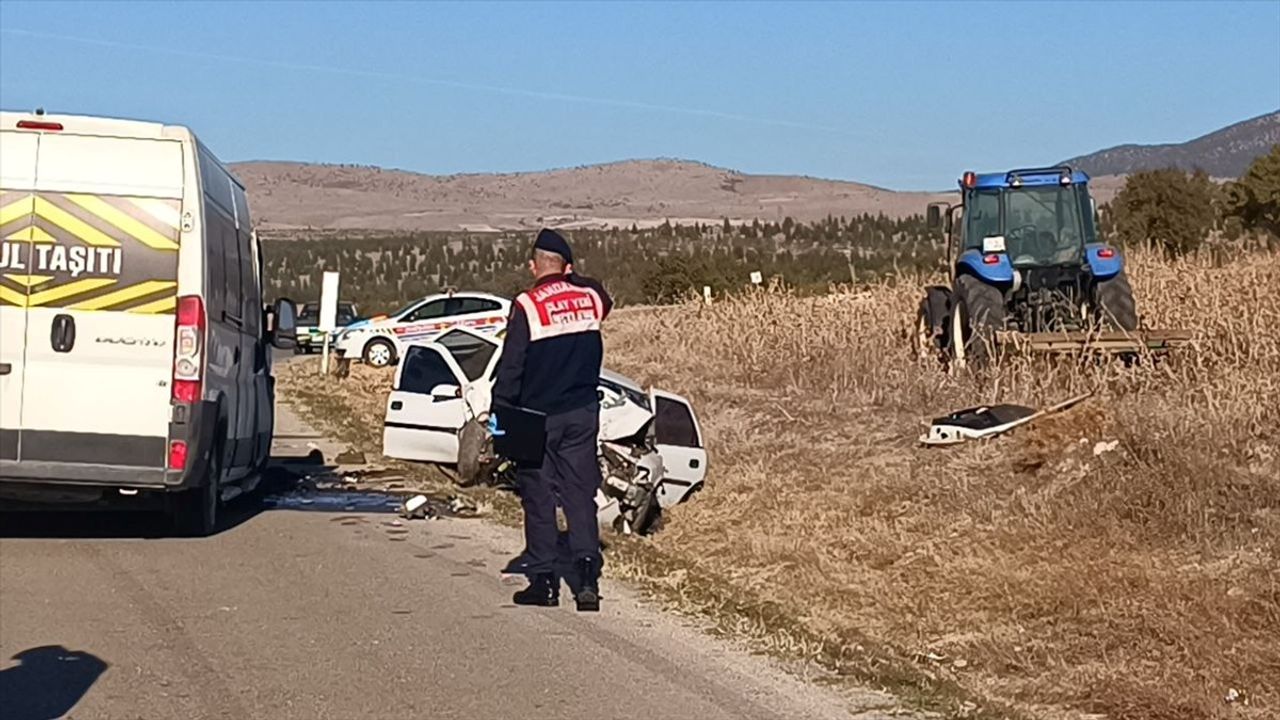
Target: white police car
(381, 340)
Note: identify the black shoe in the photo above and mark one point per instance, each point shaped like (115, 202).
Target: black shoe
(543, 591)
(588, 595)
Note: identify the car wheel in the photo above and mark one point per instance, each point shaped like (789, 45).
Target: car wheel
(471, 442)
(648, 517)
(379, 352)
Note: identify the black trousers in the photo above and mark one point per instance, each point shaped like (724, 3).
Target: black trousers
(569, 476)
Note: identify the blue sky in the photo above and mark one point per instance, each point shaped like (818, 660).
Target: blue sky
(903, 95)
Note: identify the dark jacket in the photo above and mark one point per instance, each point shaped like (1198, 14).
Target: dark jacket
(553, 349)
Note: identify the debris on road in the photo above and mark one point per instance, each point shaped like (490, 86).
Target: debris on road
(350, 457)
(416, 508)
(463, 506)
(986, 421)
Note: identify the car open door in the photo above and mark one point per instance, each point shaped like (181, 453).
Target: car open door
(425, 409)
(679, 441)
(476, 355)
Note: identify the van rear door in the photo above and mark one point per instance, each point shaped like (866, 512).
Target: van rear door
(17, 201)
(100, 297)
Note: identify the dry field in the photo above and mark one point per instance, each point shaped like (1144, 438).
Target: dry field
(1140, 583)
(1028, 575)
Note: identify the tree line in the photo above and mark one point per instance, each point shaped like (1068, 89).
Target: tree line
(1180, 212)
(1173, 210)
(653, 265)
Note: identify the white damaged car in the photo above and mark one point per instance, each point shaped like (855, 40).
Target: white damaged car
(651, 451)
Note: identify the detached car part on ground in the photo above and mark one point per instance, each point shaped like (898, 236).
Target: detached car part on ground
(651, 452)
(380, 341)
(310, 337)
(1028, 273)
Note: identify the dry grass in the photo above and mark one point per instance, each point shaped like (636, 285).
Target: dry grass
(1140, 583)
(1044, 580)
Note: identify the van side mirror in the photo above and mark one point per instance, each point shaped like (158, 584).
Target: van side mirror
(283, 328)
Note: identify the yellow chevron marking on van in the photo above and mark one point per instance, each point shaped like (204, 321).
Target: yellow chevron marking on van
(15, 210)
(160, 210)
(74, 225)
(29, 280)
(123, 295)
(32, 233)
(9, 296)
(121, 219)
(159, 306)
(65, 291)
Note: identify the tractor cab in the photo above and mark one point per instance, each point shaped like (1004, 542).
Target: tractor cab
(1037, 218)
(1044, 217)
(1024, 258)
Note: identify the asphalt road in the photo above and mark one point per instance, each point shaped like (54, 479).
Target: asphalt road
(310, 611)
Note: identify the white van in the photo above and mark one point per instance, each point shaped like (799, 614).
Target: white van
(135, 348)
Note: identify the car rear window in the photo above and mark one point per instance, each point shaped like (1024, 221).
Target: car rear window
(477, 305)
(470, 352)
(674, 425)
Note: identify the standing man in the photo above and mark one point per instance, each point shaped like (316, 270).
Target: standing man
(551, 363)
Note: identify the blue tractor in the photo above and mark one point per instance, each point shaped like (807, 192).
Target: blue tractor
(1027, 268)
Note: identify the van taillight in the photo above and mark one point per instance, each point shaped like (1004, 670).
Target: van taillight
(39, 125)
(177, 455)
(188, 349)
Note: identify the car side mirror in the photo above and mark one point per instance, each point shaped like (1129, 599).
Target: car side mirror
(283, 332)
(445, 391)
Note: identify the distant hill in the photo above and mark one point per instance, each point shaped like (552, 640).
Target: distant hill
(641, 192)
(289, 195)
(1224, 153)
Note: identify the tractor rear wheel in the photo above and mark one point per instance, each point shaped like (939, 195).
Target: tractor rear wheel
(1113, 303)
(977, 313)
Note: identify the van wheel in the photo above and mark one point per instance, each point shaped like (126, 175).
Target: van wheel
(379, 352)
(194, 512)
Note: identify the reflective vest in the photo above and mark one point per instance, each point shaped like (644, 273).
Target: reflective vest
(561, 308)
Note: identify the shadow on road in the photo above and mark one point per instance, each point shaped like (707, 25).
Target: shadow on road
(47, 682)
(291, 484)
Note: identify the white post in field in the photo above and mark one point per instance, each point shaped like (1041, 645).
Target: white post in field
(328, 315)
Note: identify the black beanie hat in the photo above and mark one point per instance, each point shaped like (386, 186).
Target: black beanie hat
(551, 241)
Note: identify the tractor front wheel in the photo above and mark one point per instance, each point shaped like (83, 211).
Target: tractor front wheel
(977, 313)
(1113, 303)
